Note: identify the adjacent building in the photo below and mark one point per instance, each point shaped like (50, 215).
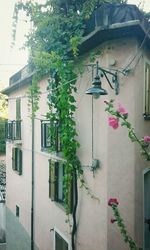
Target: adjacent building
(119, 37)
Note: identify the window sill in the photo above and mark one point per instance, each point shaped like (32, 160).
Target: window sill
(15, 141)
(53, 153)
(17, 172)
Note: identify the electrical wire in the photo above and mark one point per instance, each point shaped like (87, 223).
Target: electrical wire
(138, 51)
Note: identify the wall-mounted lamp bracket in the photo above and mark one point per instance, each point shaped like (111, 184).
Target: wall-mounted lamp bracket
(97, 90)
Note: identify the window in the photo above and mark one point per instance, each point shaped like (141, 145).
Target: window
(17, 160)
(147, 92)
(60, 243)
(56, 173)
(46, 138)
(13, 130)
(56, 189)
(8, 130)
(45, 134)
(17, 211)
(18, 109)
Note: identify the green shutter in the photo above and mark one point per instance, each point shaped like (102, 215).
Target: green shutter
(53, 180)
(13, 158)
(18, 109)
(19, 161)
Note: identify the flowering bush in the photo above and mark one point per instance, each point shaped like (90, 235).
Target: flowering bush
(113, 122)
(147, 138)
(122, 110)
(120, 116)
(113, 203)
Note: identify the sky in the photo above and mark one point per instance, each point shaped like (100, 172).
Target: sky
(13, 59)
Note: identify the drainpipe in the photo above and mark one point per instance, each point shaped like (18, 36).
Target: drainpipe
(75, 204)
(32, 181)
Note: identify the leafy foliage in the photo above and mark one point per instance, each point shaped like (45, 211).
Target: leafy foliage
(33, 97)
(3, 106)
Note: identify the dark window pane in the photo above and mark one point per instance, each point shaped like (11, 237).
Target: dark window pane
(60, 243)
(17, 211)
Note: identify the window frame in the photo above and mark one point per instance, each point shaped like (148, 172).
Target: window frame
(57, 231)
(44, 134)
(44, 137)
(17, 160)
(54, 183)
(54, 180)
(17, 211)
(13, 130)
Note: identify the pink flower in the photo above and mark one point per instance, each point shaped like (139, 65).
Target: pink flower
(113, 122)
(122, 110)
(113, 220)
(113, 201)
(147, 138)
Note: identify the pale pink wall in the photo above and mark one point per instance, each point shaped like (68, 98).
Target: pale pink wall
(19, 187)
(121, 172)
(120, 169)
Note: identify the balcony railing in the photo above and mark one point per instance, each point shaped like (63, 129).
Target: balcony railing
(13, 130)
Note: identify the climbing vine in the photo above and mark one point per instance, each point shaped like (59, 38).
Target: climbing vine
(113, 203)
(33, 97)
(57, 30)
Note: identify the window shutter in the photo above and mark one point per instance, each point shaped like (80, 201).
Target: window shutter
(19, 161)
(14, 158)
(53, 180)
(18, 109)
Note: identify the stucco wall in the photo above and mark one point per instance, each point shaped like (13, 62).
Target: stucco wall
(119, 175)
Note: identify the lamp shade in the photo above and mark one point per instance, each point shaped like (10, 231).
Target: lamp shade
(96, 90)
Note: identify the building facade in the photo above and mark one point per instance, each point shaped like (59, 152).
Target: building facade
(39, 220)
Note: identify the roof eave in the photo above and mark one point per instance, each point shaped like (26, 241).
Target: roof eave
(26, 81)
(113, 32)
